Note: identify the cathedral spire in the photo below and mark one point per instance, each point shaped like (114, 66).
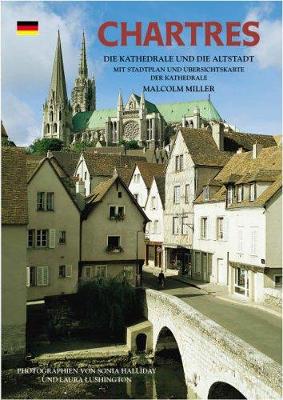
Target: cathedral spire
(120, 101)
(83, 62)
(58, 89)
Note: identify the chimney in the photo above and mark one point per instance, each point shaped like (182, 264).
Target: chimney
(217, 134)
(240, 150)
(256, 150)
(80, 187)
(49, 154)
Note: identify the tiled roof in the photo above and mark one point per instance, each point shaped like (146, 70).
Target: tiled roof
(150, 170)
(203, 149)
(3, 131)
(67, 160)
(242, 168)
(125, 173)
(171, 112)
(14, 187)
(32, 161)
(100, 191)
(104, 164)
(269, 159)
(160, 183)
(234, 140)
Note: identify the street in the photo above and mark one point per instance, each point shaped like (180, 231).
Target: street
(259, 328)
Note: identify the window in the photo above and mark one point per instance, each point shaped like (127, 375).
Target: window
(240, 192)
(220, 228)
(177, 163)
(65, 271)
(185, 225)
(85, 176)
(136, 196)
(252, 192)
(37, 276)
(113, 243)
(62, 237)
(203, 228)
(176, 226)
(278, 281)
(41, 237)
(230, 195)
(241, 281)
(31, 237)
(40, 201)
(181, 162)
(153, 202)
(50, 201)
(45, 201)
(206, 193)
(254, 242)
(116, 212)
(187, 193)
(101, 271)
(119, 194)
(176, 194)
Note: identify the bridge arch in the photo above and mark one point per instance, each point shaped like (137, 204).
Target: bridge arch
(212, 357)
(223, 390)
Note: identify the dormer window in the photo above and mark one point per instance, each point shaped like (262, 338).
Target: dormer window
(230, 195)
(240, 193)
(206, 193)
(252, 192)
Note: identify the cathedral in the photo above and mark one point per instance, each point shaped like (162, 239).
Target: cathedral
(149, 124)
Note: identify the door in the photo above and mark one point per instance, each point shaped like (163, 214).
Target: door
(221, 272)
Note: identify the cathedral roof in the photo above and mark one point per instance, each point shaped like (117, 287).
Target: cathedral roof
(171, 112)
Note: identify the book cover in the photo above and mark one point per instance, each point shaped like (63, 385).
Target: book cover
(141, 180)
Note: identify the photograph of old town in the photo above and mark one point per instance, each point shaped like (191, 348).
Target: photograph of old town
(141, 185)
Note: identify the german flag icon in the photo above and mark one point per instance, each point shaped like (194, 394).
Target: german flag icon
(27, 28)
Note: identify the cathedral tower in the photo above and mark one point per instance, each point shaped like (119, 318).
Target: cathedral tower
(83, 93)
(57, 113)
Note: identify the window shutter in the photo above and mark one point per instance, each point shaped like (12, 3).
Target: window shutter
(68, 271)
(52, 238)
(28, 276)
(42, 276)
(45, 276)
(39, 276)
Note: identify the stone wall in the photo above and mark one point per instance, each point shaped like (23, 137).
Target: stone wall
(13, 344)
(210, 353)
(273, 297)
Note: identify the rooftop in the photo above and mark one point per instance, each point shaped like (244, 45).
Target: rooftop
(14, 187)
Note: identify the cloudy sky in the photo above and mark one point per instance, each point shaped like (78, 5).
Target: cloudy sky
(251, 101)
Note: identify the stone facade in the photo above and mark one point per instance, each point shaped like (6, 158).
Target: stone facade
(57, 256)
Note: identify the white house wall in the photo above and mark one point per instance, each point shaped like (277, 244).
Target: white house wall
(182, 178)
(154, 215)
(217, 247)
(83, 174)
(139, 188)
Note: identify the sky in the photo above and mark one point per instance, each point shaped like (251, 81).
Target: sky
(251, 101)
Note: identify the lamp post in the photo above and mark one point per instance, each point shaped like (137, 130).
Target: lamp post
(138, 274)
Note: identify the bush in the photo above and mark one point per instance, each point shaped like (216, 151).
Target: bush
(108, 306)
(81, 146)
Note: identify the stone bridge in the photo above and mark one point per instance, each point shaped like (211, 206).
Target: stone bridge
(211, 356)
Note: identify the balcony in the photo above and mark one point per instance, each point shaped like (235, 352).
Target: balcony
(117, 217)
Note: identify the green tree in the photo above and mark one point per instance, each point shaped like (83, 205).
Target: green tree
(81, 146)
(107, 306)
(41, 146)
(131, 144)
